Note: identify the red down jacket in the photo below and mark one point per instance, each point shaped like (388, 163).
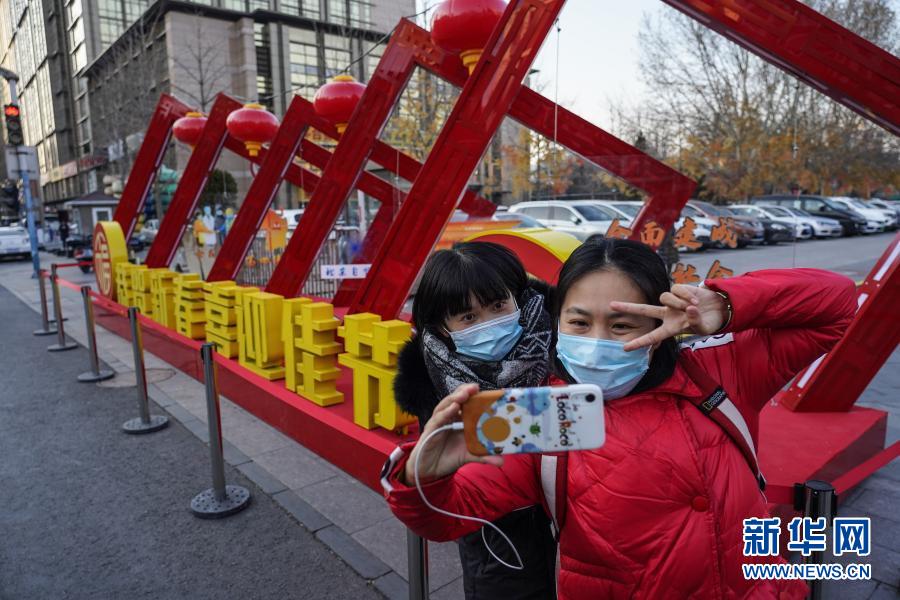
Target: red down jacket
(657, 511)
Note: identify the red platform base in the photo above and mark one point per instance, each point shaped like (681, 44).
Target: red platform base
(794, 447)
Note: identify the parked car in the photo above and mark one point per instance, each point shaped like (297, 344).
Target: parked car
(778, 214)
(747, 232)
(14, 242)
(523, 219)
(702, 221)
(821, 206)
(629, 210)
(149, 231)
(886, 205)
(886, 211)
(581, 218)
(774, 230)
(822, 227)
(755, 227)
(875, 216)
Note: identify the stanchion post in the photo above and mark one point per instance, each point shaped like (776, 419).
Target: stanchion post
(220, 500)
(45, 318)
(95, 374)
(417, 561)
(145, 423)
(819, 501)
(61, 344)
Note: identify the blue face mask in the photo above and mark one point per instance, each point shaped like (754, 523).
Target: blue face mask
(489, 341)
(603, 362)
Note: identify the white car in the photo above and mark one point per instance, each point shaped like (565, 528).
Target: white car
(629, 209)
(580, 218)
(14, 242)
(822, 227)
(884, 209)
(886, 205)
(875, 217)
(779, 214)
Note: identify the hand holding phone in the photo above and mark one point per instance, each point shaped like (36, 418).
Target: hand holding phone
(545, 419)
(446, 451)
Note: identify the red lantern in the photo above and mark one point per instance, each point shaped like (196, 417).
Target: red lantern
(464, 26)
(189, 128)
(337, 99)
(253, 125)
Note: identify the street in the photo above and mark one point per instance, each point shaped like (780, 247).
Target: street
(853, 256)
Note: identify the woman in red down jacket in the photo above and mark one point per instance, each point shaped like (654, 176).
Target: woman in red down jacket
(656, 512)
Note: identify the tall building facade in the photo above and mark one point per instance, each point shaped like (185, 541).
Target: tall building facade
(92, 69)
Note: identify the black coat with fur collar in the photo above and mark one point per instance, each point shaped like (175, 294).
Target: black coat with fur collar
(528, 528)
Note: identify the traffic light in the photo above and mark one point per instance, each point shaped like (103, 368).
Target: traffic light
(12, 115)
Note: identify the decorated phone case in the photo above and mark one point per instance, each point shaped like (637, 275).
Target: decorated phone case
(544, 419)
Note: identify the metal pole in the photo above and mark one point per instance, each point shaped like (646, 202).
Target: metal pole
(95, 374)
(45, 320)
(145, 423)
(220, 500)
(819, 501)
(417, 561)
(61, 345)
(11, 80)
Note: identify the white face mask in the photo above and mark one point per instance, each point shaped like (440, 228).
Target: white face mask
(489, 341)
(603, 362)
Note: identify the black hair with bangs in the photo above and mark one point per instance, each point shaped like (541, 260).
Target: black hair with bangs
(644, 268)
(450, 278)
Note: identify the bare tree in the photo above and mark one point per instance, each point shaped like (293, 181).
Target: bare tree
(126, 89)
(747, 127)
(204, 68)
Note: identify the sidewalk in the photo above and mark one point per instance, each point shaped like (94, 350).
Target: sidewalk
(90, 512)
(349, 518)
(353, 520)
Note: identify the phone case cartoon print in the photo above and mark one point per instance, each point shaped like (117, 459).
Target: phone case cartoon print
(533, 420)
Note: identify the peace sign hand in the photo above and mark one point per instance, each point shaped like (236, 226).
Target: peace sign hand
(684, 309)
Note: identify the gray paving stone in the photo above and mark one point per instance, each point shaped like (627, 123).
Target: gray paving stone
(201, 430)
(393, 586)
(451, 591)
(179, 413)
(308, 516)
(387, 541)
(360, 560)
(160, 397)
(346, 502)
(252, 436)
(296, 466)
(233, 456)
(262, 478)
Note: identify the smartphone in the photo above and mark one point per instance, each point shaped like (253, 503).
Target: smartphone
(543, 419)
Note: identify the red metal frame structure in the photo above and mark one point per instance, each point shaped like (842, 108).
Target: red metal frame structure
(811, 47)
(147, 162)
(201, 163)
(835, 381)
(411, 46)
(288, 141)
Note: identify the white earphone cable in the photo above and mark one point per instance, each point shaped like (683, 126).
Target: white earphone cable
(458, 427)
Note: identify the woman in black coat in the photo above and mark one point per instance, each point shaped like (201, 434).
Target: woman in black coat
(479, 319)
